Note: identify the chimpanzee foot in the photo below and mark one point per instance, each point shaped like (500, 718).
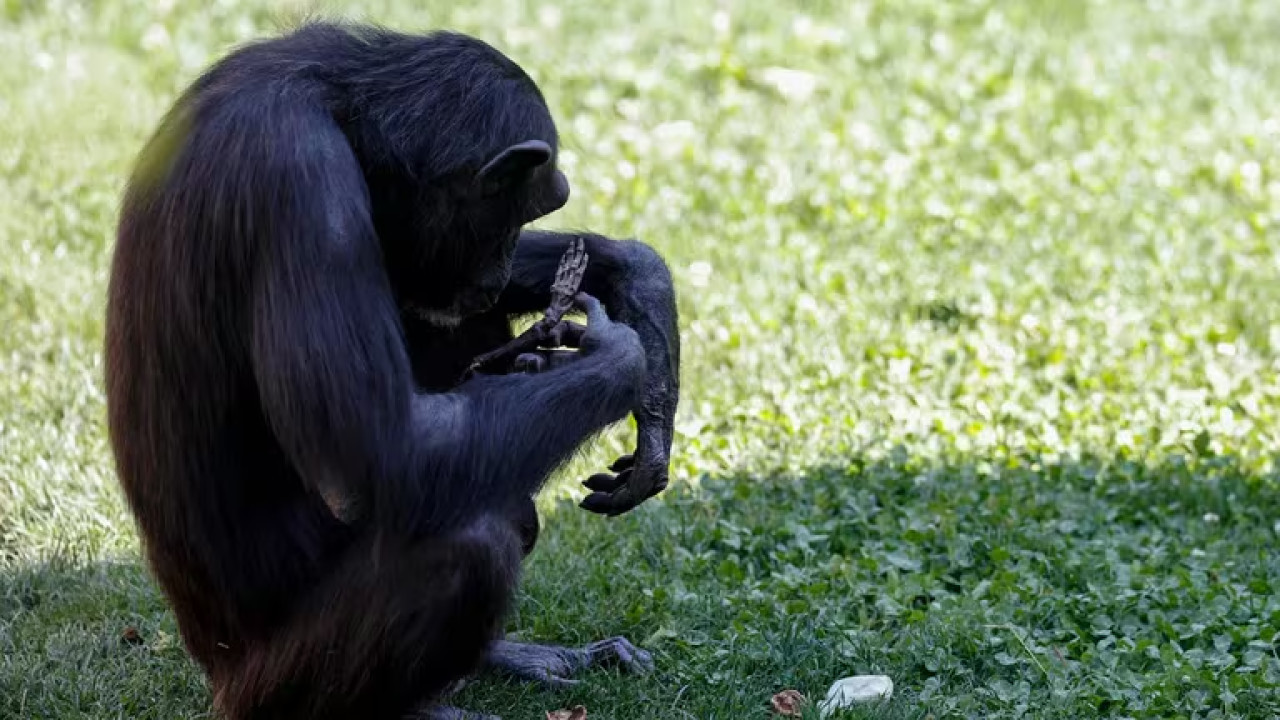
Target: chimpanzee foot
(555, 666)
(620, 653)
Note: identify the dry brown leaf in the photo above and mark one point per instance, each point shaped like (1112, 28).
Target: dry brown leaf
(789, 703)
(131, 636)
(577, 713)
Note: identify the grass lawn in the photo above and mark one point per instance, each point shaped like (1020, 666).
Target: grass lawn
(981, 317)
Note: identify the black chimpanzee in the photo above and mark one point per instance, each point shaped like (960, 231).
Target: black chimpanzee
(321, 235)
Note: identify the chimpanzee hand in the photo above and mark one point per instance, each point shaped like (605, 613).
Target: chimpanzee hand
(635, 482)
(606, 336)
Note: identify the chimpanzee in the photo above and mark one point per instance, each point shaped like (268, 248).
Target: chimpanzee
(321, 235)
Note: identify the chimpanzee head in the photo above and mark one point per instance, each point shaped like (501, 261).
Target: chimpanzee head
(458, 158)
(519, 185)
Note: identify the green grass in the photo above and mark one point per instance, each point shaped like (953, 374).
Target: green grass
(981, 317)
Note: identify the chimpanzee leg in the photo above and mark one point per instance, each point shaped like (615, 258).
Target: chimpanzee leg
(384, 632)
(552, 665)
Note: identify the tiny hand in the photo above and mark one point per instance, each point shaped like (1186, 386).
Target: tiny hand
(568, 278)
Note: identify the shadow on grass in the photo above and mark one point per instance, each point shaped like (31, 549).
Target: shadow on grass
(1093, 588)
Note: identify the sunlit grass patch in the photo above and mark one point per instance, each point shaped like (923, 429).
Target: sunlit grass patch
(981, 323)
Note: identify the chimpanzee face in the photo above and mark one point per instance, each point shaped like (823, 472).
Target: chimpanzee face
(545, 190)
(468, 262)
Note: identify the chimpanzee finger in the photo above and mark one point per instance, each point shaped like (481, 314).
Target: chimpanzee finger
(530, 363)
(616, 651)
(621, 652)
(566, 333)
(599, 503)
(628, 494)
(644, 660)
(579, 261)
(623, 463)
(612, 504)
(572, 265)
(593, 309)
(604, 482)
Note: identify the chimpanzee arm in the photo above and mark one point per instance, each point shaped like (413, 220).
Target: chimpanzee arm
(331, 370)
(518, 428)
(632, 280)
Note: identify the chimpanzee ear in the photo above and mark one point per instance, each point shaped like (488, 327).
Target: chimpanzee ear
(512, 166)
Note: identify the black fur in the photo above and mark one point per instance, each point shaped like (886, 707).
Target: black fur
(309, 252)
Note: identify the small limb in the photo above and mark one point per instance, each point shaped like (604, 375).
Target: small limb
(573, 266)
(552, 330)
(607, 483)
(555, 666)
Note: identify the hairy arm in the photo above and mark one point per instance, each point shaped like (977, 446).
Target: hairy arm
(514, 430)
(632, 280)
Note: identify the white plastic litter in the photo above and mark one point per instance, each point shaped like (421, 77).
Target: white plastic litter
(856, 690)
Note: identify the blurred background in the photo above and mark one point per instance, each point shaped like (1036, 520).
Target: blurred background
(981, 313)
